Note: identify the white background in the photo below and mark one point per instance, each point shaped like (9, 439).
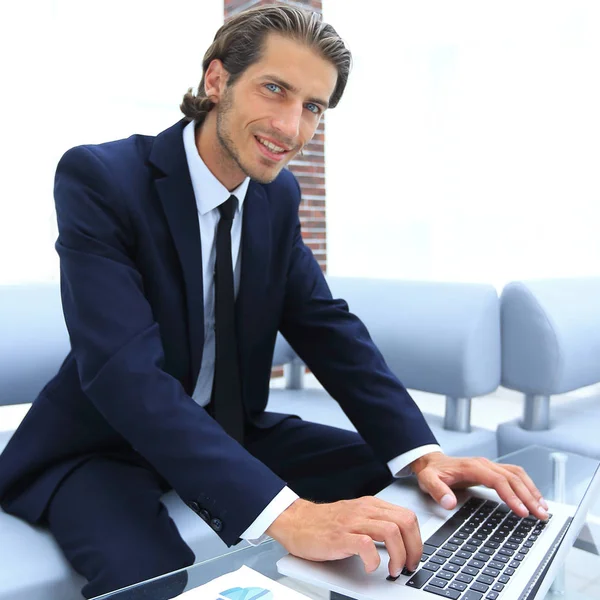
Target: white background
(80, 71)
(466, 147)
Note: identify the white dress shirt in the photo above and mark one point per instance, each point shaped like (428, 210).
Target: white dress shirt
(210, 193)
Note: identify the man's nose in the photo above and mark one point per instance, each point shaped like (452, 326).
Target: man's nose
(287, 122)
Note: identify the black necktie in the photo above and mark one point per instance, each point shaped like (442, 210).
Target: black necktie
(227, 389)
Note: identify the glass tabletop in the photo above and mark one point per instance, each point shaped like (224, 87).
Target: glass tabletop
(581, 573)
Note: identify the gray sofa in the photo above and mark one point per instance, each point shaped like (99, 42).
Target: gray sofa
(550, 346)
(440, 338)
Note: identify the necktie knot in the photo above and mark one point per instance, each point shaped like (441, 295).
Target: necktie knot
(227, 209)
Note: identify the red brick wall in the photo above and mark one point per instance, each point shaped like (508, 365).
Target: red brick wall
(309, 168)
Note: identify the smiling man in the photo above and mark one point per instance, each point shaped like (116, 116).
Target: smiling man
(181, 258)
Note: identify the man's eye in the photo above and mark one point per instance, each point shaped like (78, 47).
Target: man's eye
(273, 87)
(313, 108)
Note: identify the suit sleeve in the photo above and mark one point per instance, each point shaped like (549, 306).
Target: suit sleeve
(336, 346)
(119, 355)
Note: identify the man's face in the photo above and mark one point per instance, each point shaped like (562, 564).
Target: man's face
(273, 109)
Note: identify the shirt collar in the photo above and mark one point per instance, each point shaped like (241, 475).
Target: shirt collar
(208, 190)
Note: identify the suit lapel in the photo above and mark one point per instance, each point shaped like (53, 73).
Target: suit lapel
(256, 259)
(176, 194)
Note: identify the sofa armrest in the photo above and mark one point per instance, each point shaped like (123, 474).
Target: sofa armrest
(442, 338)
(34, 340)
(550, 335)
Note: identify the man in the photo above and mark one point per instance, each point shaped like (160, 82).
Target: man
(167, 380)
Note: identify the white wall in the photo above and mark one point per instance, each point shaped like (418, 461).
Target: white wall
(467, 146)
(77, 71)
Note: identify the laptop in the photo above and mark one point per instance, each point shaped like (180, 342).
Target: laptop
(479, 551)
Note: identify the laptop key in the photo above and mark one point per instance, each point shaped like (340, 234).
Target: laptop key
(444, 553)
(437, 560)
(450, 547)
(441, 583)
(508, 571)
(431, 566)
(503, 579)
(472, 595)
(457, 585)
(447, 593)
(452, 568)
(479, 587)
(485, 579)
(471, 571)
(444, 532)
(476, 564)
(419, 579)
(457, 561)
(491, 572)
(498, 587)
(495, 565)
(491, 596)
(445, 575)
(492, 545)
(428, 550)
(464, 578)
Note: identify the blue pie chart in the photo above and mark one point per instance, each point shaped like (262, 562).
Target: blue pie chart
(249, 593)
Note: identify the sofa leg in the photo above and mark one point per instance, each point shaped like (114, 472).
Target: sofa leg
(458, 414)
(536, 415)
(294, 375)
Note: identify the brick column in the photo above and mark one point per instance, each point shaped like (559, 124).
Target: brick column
(308, 168)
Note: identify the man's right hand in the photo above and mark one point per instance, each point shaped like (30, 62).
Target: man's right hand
(333, 531)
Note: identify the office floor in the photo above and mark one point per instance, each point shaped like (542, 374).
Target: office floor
(582, 568)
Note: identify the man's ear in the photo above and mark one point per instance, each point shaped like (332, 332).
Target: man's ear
(215, 80)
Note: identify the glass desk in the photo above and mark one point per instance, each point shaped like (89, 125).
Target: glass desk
(582, 572)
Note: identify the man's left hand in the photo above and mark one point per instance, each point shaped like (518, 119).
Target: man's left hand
(437, 473)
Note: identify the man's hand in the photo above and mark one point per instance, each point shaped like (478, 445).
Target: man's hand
(437, 473)
(332, 531)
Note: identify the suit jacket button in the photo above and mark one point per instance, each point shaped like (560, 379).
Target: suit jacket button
(216, 524)
(194, 506)
(204, 514)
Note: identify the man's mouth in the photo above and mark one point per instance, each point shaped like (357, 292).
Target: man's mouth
(274, 148)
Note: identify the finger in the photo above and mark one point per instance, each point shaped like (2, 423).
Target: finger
(528, 482)
(407, 522)
(524, 491)
(390, 534)
(430, 481)
(498, 480)
(364, 546)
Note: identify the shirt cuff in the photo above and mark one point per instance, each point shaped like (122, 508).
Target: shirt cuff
(255, 533)
(400, 466)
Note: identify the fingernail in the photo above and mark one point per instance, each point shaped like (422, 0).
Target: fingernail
(543, 512)
(524, 508)
(397, 573)
(447, 501)
(544, 504)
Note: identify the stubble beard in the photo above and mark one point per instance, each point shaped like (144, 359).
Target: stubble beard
(230, 153)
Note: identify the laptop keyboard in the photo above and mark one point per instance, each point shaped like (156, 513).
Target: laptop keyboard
(473, 555)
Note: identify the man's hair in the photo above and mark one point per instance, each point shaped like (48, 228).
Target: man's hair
(239, 43)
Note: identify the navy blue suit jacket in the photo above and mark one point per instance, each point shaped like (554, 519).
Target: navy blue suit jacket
(131, 282)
